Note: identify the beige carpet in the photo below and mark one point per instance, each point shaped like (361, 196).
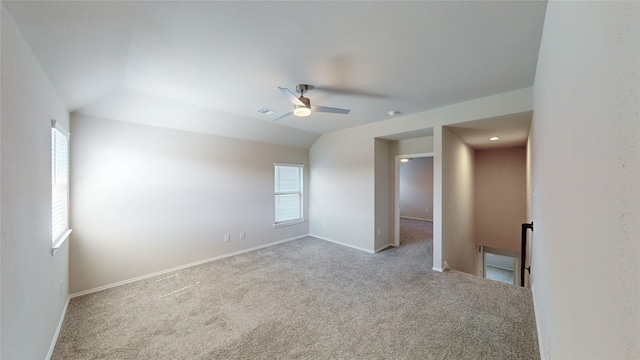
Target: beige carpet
(307, 299)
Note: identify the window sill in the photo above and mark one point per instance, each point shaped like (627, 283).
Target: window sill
(58, 244)
(288, 223)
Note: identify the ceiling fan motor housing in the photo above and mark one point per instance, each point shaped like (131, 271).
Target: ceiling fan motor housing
(306, 101)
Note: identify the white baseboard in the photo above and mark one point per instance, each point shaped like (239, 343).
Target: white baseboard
(415, 218)
(438, 269)
(57, 333)
(543, 355)
(343, 244)
(162, 272)
(383, 247)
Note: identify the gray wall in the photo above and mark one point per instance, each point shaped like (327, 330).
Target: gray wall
(585, 139)
(500, 197)
(34, 283)
(147, 199)
(416, 188)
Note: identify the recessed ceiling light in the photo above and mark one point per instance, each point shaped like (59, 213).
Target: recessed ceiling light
(404, 160)
(394, 113)
(495, 138)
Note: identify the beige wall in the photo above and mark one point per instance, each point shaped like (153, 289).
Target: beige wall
(499, 197)
(586, 181)
(418, 145)
(34, 283)
(416, 188)
(148, 199)
(459, 248)
(342, 196)
(383, 194)
(342, 169)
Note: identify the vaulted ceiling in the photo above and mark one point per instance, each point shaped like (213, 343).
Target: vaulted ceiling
(208, 66)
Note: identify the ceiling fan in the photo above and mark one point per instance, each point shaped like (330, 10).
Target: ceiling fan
(302, 106)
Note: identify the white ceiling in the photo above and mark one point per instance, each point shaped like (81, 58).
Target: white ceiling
(207, 66)
(512, 130)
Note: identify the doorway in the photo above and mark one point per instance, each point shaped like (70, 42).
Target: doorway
(421, 205)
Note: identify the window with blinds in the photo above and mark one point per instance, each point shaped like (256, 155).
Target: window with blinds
(59, 185)
(288, 193)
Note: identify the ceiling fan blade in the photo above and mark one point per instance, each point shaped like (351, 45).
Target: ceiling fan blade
(329, 109)
(294, 99)
(283, 116)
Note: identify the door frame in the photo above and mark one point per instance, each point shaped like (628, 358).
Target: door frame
(396, 196)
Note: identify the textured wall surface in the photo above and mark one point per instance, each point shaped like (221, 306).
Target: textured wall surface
(34, 283)
(147, 199)
(500, 197)
(586, 181)
(416, 188)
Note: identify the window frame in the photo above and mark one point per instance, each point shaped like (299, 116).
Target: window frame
(299, 192)
(58, 156)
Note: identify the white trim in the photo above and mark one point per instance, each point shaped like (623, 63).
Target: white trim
(287, 164)
(58, 244)
(162, 272)
(415, 218)
(438, 269)
(384, 247)
(535, 314)
(57, 333)
(341, 243)
(57, 126)
(288, 223)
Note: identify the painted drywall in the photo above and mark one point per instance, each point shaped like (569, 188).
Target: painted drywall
(146, 199)
(342, 196)
(500, 196)
(419, 145)
(383, 193)
(34, 283)
(459, 249)
(342, 168)
(586, 181)
(529, 193)
(416, 188)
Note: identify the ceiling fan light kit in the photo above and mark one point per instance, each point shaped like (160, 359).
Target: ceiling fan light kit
(301, 111)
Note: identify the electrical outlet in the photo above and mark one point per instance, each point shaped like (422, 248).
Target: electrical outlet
(61, 287)
(242, 235)
(227, 238)
(378, 231)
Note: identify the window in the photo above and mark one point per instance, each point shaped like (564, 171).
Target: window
(59, 186)
(288, 194)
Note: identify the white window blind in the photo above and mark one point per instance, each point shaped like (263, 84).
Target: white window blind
(59, 185)
(288, 193)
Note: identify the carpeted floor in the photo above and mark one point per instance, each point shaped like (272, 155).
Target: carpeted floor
(307, 299)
